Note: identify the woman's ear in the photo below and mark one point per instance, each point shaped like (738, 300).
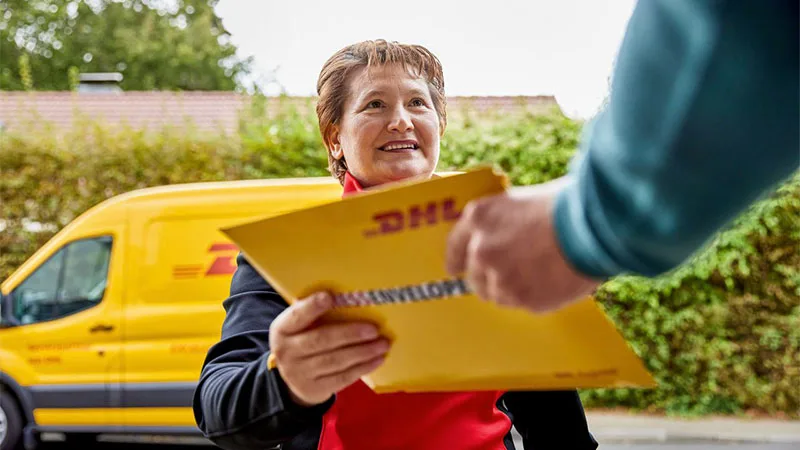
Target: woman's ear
(333, 144)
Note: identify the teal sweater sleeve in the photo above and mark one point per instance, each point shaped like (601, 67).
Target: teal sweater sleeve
(702, 120)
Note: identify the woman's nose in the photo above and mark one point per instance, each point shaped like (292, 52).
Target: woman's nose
(401, 121)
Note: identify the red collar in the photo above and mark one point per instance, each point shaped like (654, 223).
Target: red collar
(351, 185)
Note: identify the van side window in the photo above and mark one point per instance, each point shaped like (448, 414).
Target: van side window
(70, 281)
(35, 299)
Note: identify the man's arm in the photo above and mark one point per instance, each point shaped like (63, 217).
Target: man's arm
(702, 121)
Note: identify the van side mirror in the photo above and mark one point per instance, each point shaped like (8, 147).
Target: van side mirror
(7, 319)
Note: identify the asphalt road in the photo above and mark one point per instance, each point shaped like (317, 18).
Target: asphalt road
(615, 446)
(668, 446)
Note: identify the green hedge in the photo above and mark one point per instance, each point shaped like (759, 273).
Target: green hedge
(722, 334)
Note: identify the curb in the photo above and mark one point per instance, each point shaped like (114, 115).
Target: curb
(656, 435)
(630, 434)
(623, 428)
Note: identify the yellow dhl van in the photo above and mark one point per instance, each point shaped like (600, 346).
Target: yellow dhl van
(105, 328)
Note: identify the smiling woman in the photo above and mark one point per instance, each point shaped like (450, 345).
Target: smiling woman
(382, 112)
(390, 131)
(278, 378)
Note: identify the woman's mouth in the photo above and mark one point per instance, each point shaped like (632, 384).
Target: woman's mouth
(400, 146)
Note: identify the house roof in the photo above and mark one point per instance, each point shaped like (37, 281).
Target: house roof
(210, 111)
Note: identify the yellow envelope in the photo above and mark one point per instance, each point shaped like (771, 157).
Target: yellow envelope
(382, 254)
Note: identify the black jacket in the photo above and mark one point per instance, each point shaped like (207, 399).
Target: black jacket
(241, 405)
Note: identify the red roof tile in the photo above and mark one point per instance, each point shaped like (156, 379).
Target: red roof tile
(209, 111)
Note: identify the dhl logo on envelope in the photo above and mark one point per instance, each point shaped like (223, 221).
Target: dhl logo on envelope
(382, 253)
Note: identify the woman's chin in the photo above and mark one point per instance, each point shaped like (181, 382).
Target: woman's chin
(409, 172)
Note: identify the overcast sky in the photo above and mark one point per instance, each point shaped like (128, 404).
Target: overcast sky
(498, 47)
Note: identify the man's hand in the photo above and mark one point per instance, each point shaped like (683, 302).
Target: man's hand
(506, 245)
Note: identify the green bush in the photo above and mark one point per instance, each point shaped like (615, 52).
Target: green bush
(721, 334)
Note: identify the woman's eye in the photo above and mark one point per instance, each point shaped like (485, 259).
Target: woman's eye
(417, 102)
(374, 104)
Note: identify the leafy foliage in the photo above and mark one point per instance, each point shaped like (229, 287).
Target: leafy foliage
(721, 334)
(156, 45)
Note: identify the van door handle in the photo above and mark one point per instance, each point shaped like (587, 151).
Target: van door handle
(101, 328)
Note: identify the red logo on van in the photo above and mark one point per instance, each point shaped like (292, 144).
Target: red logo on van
(224, 263)
(417, 216)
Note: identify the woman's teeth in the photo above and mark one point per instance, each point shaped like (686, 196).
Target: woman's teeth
(400, 147)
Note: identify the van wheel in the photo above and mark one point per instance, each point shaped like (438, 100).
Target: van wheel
(10, 423)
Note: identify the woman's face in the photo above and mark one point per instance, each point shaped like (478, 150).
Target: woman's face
(389, 129)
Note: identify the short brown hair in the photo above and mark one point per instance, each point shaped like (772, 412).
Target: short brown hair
(332, 83)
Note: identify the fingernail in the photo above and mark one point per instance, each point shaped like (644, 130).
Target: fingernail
(377, 362)
(369, 332)
(323, 299)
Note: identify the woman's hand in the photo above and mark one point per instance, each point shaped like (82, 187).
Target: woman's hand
(318, 361)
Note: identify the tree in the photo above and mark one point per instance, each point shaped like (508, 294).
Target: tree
(155, 44)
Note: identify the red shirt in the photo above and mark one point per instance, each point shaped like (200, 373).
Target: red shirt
(363, 420)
